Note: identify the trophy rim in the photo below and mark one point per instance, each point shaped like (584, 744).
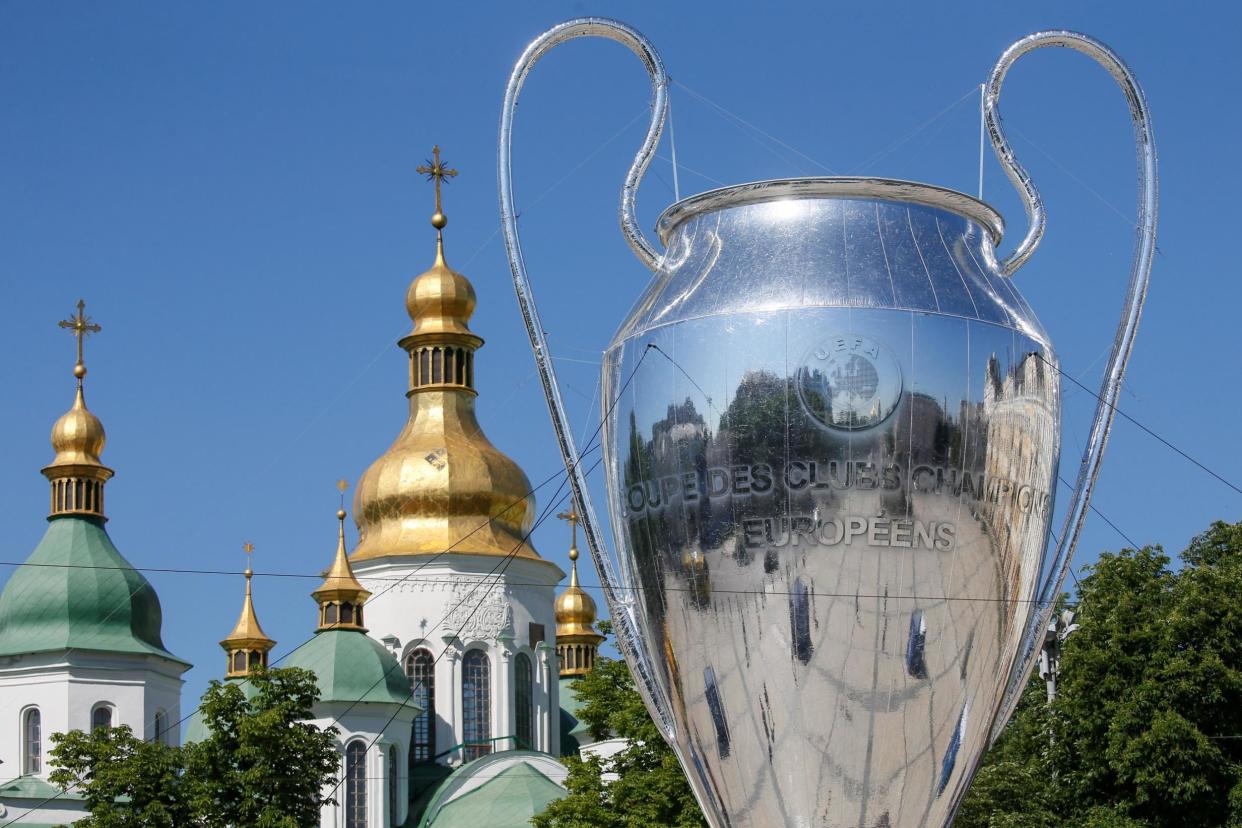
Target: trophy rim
(842, 187)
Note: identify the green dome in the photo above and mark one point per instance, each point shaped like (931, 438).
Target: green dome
(78, 592)
(352, 667)
(507, 799)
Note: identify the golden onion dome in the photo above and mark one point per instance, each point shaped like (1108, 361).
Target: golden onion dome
(577, 642)
(441, 300)
(78, 436)
(76, 473)
(575, 610)
(442, 486)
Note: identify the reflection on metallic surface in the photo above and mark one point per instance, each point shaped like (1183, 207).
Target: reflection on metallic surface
(845, 597)
(831, 445)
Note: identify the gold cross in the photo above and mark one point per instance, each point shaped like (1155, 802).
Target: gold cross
(436, 171)
(81, 326)
(248, 548)
(572, 517)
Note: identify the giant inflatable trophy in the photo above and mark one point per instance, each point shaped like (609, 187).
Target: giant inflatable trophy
(831, 436)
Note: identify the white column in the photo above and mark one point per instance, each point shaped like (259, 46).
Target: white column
(447, 694)
(550, 721)
(506, 725)
(377, 796)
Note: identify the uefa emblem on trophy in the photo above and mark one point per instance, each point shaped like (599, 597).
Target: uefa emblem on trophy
(831, 439)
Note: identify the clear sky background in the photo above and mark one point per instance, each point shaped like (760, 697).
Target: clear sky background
(231, 187)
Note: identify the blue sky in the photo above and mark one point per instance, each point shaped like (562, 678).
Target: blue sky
(231, 187)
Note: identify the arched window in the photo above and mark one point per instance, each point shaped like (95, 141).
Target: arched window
(101, 716)
(523, 696)
(32, 736)
(476, 704)
(420, 668)
(356, 785)
(392, 785)
(160, 728)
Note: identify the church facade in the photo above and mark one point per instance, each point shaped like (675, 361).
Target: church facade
(443, 654)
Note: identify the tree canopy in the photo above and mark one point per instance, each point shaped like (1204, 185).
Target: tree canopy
(263, 763)
(1146, 727)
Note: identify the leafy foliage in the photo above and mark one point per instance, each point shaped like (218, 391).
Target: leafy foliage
(1146, 724)
(262, 765)
(649, 791)
(127, 782)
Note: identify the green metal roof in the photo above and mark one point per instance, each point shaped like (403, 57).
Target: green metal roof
(79, 593)
(353, 667)
(32, 787)
(508, 800)
(574, 731)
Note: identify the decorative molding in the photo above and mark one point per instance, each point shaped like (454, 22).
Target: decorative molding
(480, 612)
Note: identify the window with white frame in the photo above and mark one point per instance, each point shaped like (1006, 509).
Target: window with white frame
(524, 703)
(420, 667)
(476, 704)
(160, 728)
(356, 784)
(32, 741)
(101, 716)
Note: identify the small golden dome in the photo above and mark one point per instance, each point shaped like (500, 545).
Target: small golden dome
(339, 583)
(577, 642)
(575, 610)
(340, 596)
(76, 473)
(247, 633)
(78, 436)
(441, 300)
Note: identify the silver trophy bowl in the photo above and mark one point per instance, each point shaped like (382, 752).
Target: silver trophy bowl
(831, 441)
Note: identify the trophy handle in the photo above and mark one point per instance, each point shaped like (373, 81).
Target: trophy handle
(1140, 271)
(620, 604)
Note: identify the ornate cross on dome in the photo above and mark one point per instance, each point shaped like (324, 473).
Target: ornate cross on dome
(248, 548)
(437, 172)
(572, 517)
(82, 327)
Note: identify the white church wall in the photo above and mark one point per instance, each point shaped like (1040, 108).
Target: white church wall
(453, 604)
(377, 728)
(66, 689)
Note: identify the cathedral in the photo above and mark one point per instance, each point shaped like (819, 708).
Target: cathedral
(443, 654)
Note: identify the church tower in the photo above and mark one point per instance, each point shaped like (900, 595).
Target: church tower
(444, 521)
(577, 642)
(247, 645)
(364, 694)
(80, 639)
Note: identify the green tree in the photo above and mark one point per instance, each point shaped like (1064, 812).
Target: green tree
(262, 766)
(1146, 724)
(127, 782)
(650, 790)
